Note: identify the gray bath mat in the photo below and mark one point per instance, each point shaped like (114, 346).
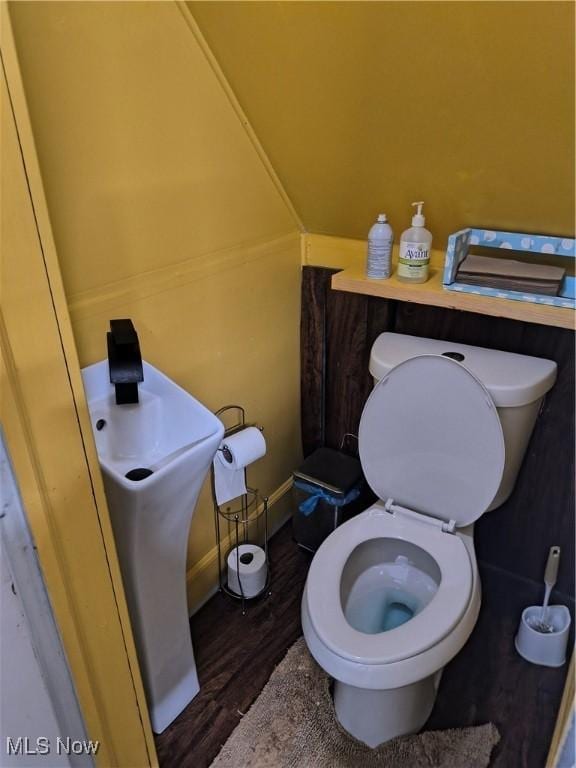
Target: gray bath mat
(292, 725)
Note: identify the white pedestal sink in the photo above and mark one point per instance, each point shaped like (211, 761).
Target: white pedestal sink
(174, 436)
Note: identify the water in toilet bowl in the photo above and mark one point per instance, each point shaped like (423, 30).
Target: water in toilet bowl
(388, 594)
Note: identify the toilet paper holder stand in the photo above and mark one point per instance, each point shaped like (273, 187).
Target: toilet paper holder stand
(243, 520)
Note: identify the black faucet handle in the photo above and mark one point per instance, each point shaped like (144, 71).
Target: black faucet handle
(124, 360)
(123, 332)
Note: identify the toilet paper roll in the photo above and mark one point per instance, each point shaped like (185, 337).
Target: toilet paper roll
(247, 570)
(234, 454)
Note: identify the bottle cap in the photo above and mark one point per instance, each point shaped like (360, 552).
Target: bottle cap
(382, 217)
(418, 220)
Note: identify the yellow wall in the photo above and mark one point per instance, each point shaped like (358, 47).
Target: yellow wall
(42, 412)
(368, 106)
(164, 211)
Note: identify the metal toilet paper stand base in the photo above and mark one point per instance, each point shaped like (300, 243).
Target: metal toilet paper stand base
(243, 520)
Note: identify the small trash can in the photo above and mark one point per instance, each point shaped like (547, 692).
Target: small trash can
(329, 488)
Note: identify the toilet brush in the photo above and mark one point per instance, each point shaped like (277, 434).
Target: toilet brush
(540, 624)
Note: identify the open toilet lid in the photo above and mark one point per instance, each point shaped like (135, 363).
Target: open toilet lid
(430, 439)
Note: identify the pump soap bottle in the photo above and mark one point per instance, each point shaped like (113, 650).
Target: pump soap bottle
(415, 245)
(380, 240)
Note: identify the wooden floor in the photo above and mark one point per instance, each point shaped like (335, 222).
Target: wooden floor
(236, 654)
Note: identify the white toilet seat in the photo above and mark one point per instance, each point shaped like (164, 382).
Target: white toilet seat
(424, 630)
(430, 438)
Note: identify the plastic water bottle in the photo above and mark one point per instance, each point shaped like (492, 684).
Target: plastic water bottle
(380, 239)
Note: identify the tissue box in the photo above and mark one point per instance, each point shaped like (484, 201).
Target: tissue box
(460, 242)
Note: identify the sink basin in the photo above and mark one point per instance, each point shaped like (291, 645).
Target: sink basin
(154, 457)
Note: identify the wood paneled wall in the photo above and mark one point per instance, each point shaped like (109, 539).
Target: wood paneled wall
(338, 330)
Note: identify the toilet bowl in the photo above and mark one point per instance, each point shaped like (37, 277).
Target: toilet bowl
(393, 594)
(376, 567)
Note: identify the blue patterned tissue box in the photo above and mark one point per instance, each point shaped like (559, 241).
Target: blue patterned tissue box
(459, 242)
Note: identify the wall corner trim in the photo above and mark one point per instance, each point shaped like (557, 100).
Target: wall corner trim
(121, 723)
(113, 296)
(225, 85)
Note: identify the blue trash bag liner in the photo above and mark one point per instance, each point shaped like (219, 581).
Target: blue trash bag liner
(316, 493)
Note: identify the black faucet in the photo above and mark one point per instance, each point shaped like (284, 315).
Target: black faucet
(124, 360)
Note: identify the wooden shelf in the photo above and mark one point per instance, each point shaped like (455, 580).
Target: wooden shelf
(433, 293)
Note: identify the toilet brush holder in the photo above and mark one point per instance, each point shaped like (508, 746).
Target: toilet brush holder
(545, 648)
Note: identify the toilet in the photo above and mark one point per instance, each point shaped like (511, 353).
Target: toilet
(393, 594)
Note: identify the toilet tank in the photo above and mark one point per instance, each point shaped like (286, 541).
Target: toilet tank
(517, 384)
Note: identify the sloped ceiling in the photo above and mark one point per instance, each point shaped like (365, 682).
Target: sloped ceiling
(364, 107)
